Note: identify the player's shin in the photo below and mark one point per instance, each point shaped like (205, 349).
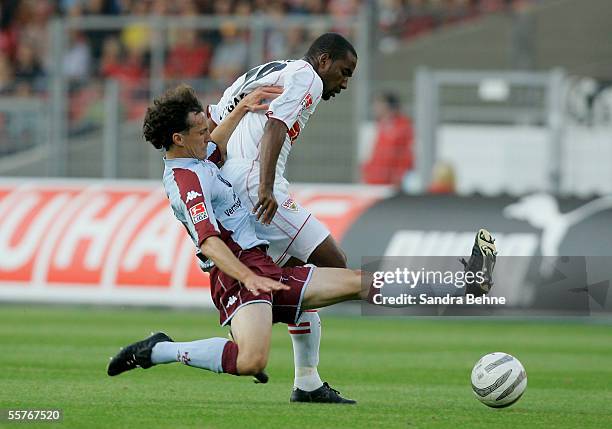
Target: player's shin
(306, 338)
(214, 354)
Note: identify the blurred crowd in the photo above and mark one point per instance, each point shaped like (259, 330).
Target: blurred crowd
(125, 55)
(406, 19)
(208, 59)
(220, 54)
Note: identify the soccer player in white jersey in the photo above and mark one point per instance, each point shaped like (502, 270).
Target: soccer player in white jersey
(249, 290)
(257, 153)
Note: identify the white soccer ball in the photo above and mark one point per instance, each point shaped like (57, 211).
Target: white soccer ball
(498, 380)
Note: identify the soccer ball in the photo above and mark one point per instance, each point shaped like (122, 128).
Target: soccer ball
(498, 380)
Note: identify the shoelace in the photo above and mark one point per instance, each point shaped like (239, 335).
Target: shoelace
(331, 388)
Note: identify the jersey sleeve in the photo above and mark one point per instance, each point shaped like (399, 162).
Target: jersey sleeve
(194, 200)
(214, 113)
(300, 88)
(213, 154)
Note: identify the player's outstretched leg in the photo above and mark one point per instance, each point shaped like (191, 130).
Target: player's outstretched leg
(329, 286)
(484, 254)
(251, 326)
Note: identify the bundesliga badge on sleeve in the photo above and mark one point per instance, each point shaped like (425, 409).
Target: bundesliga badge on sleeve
(198, 213)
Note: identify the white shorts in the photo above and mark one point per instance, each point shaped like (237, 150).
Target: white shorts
(294, 231)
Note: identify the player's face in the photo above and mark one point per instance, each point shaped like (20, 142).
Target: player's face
(195, 140)
(336, 74)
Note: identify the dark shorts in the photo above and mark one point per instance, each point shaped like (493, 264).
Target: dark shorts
(229, 294)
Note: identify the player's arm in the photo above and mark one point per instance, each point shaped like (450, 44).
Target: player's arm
(190, 199)
(256, 101)
(216, 250)
(300, 87)
(275, 132)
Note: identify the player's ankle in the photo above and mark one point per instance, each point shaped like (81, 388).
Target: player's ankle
(307, 379)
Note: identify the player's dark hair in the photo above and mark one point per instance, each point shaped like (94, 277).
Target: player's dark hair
(333, 44)
(169, 114)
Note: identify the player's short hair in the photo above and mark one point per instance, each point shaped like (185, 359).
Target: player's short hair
(169, 114)
(333, 44)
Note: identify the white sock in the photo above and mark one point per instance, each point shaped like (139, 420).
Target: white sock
(204, 354)
(306, 338)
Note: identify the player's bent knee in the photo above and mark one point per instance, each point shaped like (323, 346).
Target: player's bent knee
(328, 254)
(252, 363)
(341, 260)
(252, 367)
(336, 260)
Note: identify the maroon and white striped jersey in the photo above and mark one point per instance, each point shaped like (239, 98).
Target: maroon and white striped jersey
(206, 204)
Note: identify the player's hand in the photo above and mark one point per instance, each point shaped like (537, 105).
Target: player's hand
(266, 205)
(254, 101)
(256, 284)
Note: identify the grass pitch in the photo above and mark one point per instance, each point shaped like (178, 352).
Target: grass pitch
(405, 373)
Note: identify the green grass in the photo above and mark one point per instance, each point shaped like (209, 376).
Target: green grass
(405, 373)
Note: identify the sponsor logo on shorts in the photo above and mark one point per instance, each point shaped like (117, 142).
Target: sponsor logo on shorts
(231, 301)
(192, 195)
(198, 213)
(289, 204)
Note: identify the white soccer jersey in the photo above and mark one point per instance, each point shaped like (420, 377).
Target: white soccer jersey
(302, 93)
(206, 204)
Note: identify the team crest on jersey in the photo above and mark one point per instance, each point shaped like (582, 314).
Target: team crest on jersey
(198, 213)
(289, 204)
